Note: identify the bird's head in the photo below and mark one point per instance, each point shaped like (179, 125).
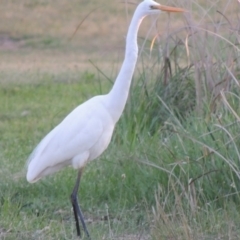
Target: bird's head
(149, 7)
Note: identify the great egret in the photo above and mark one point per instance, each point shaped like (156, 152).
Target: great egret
(86, 132)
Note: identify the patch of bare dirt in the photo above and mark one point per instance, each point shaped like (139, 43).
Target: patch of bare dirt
(8, 43)
(3, 232)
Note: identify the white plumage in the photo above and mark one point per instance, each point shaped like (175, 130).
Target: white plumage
(83, 135)
(86, 132)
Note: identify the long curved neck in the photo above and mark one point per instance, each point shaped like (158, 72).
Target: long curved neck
(118, 95)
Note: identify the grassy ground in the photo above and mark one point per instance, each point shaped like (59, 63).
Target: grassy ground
(172, 169)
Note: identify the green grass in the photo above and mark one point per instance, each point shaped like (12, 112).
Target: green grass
(185, 172)
(27, 113)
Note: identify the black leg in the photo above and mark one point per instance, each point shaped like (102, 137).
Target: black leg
(76, 208)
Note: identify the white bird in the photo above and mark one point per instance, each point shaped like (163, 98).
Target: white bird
(86, 132)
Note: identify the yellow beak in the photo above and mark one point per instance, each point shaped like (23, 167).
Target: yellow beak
(168, 9)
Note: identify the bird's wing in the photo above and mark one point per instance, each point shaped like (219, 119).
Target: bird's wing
(76, 134)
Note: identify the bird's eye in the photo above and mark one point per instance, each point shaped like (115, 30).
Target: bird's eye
(151, 7)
